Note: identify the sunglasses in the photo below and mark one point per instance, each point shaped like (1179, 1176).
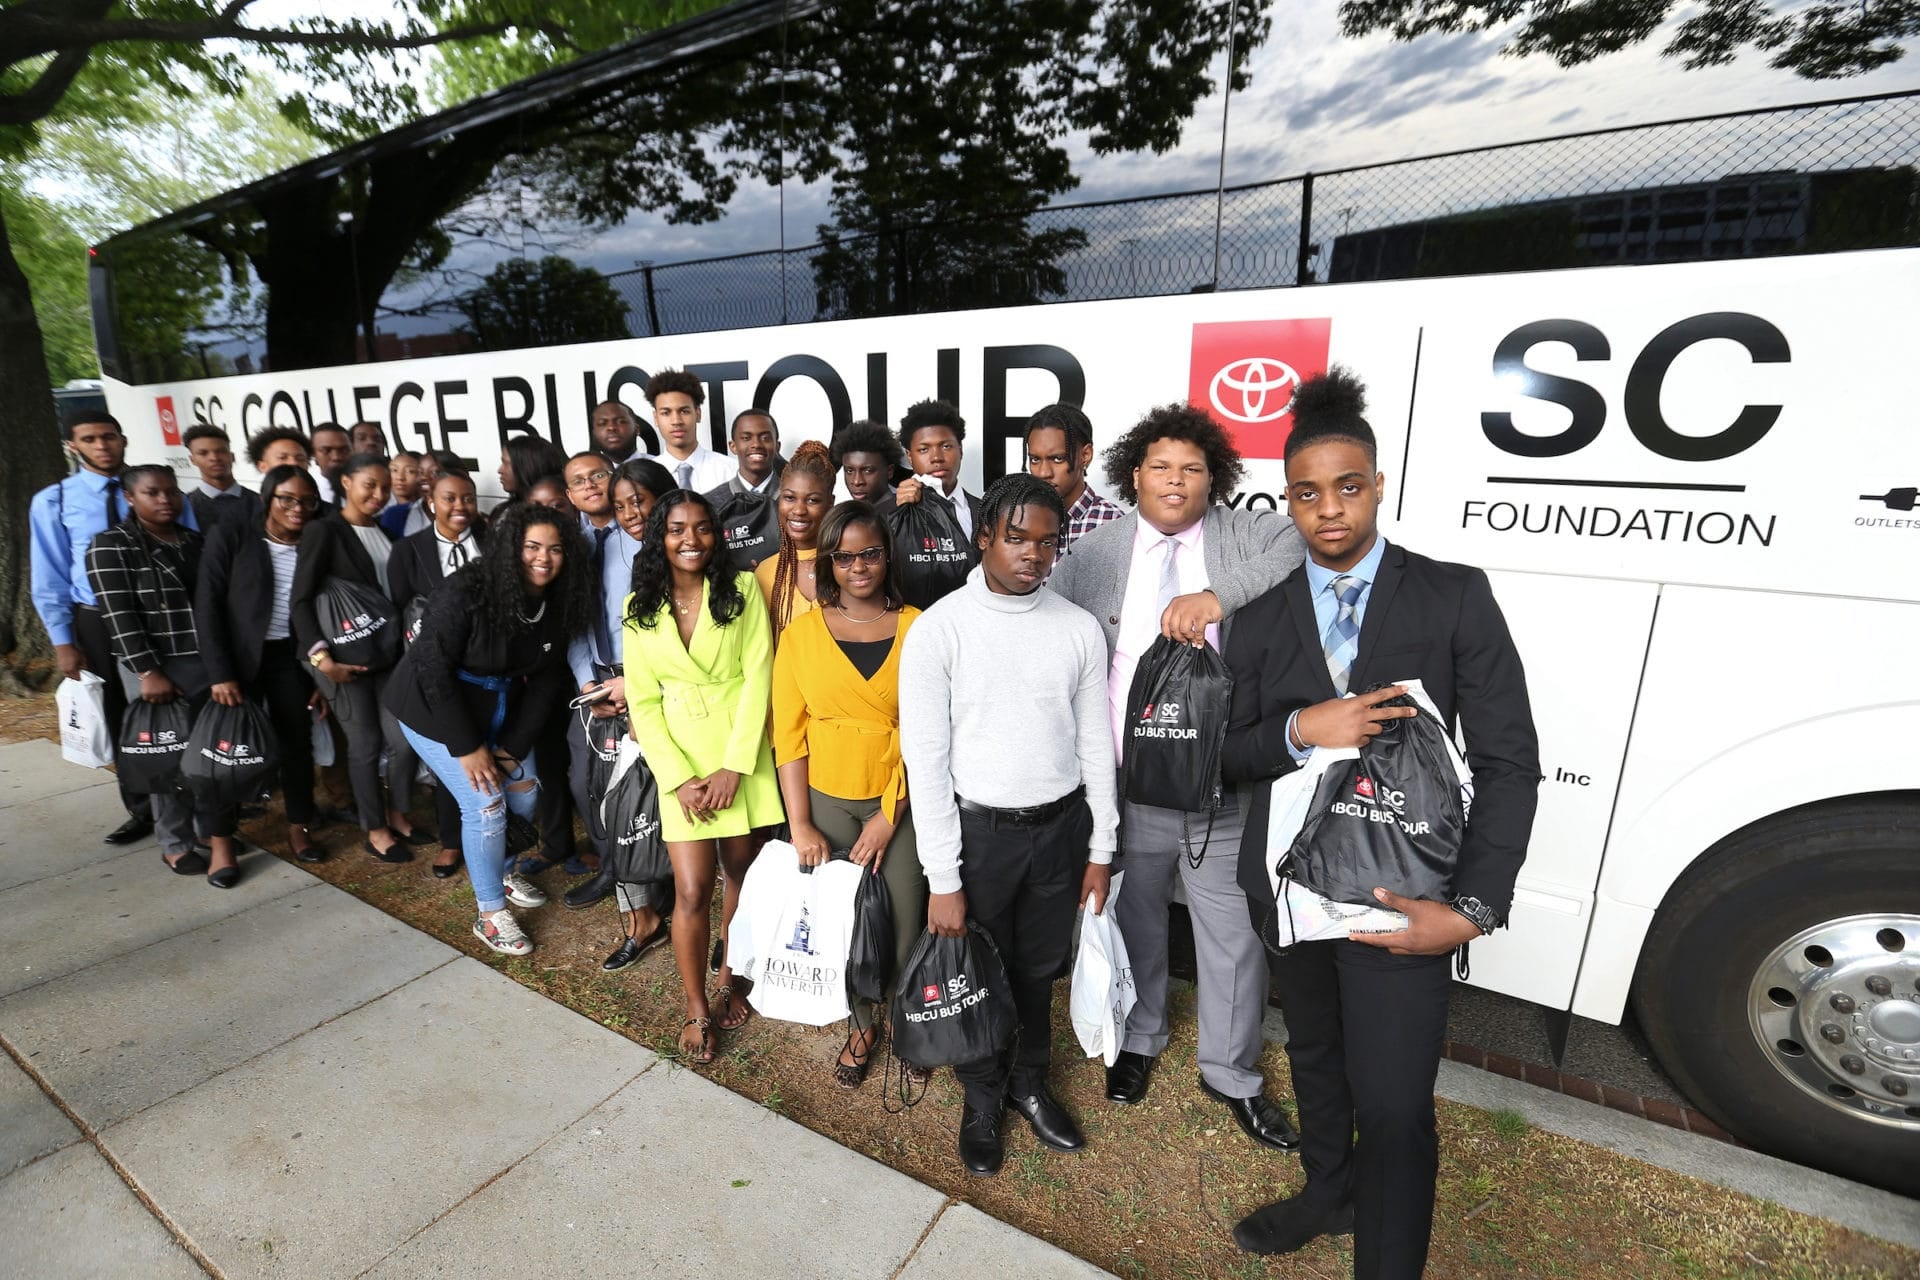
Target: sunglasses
(867, 555)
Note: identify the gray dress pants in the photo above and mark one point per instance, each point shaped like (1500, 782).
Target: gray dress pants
(1232, 964)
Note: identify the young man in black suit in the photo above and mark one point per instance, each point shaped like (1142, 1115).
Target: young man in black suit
(1366, 1016)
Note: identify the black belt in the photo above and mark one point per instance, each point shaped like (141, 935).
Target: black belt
(1032, 816)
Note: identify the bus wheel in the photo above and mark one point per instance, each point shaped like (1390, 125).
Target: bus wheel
(1780, 987)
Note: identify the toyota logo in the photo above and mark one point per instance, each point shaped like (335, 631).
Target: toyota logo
(1253, 390)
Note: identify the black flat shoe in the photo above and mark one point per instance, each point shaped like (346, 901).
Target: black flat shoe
(225, 877)
(190, 863)
(981, 1149)
(449, 870)
(132, 831)
(632, 949)
(312, 853)
(396, 852)
(1050, 1121)
(1287, 1225)
(1259, 1118)
(588, 892)
(1127, 1077)
(417, 838)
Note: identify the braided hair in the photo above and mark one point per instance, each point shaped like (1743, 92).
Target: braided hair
(1011, 494)
(810, 459)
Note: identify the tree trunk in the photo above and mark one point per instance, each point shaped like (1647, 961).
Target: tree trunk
(29, 461)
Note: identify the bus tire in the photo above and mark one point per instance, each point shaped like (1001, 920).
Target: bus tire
(1780, 987)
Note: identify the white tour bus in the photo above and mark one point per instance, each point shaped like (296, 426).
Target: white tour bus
(1694, 486)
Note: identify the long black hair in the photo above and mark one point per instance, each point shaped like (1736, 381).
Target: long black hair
(653, 577)
(644, 473)
(848, 515)
(500, 592)
(283, 474)
(534, 459)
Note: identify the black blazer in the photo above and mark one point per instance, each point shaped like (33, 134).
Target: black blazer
(427, 695)
(234, 600)
(211, 511)
(328, 548)
(1425, 619)
(414, 568)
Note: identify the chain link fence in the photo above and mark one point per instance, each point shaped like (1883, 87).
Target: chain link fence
(1812, 178)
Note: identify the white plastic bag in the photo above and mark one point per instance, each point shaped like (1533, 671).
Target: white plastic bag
(791, 935)
(1103, 993)
(84, 737)
(322, 741)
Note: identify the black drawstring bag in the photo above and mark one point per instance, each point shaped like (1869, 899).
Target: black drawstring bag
(631, 812)
(603, 736)
(870, 959)
(153, 738)
(932, 553)
(1392, 818)
(358, 623)
(231, 755)
(1176, 728)
(953, 1003)
(749, 524)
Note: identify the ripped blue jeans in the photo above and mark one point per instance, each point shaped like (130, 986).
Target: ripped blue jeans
(483, 817)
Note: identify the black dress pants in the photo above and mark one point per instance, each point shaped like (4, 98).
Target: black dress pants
(1364, 1032)
(95, 643)
(1023, 887)
(555, 811)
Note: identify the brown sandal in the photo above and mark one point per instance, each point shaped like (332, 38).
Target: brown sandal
(726, 1000)
(706, 1040)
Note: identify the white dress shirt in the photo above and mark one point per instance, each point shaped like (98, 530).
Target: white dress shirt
(710, 470)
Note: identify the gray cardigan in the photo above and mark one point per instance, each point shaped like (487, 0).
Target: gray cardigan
(1248, 553)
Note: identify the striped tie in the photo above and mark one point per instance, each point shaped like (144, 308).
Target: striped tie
(1342, 640)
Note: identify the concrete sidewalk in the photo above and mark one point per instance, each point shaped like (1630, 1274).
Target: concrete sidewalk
(279, 1079)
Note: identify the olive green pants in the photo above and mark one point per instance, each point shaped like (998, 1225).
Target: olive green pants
(841, 821)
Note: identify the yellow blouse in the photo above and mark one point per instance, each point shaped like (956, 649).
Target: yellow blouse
(846, 727)
(763, 574)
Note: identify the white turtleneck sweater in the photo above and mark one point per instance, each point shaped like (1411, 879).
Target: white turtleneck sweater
(1003, 699)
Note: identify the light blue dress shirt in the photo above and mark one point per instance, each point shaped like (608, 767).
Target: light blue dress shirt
(1326, 606)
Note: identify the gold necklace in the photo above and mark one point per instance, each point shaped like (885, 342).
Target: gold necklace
(850, 618)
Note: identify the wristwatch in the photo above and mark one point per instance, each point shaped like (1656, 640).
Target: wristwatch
(1483, 916)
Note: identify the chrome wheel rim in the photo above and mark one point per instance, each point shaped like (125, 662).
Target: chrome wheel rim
(1836, 1009)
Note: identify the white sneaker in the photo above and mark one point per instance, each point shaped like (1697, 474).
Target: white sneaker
(522, 892)
(499, 930)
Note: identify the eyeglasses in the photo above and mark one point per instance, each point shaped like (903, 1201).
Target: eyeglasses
(592, 477)
(291, 500)
(866, 555)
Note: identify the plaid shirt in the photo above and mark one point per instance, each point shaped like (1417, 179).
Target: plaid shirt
(145, 590)
(1088, 513)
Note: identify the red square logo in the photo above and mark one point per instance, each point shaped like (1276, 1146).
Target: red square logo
(225, 745)
(930, 993)
(1244, 373)
(169, 423)
(1363, 787)
(146, 737)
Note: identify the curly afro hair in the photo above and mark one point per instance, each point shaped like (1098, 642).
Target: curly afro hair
(866, 436)
(675, 380)
(1329, 406)
(931, 413)
(1175, 422)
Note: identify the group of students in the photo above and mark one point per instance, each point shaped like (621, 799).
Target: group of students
(968, 754)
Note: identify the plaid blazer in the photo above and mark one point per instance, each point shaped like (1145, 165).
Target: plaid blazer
(145, 590)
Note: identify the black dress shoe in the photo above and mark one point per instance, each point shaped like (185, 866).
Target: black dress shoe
(588, 892)
(418, 838)
(1258, 1118)
(225, 877)
(191, 863)
(1050, 1121)
(396, 852)
(1127, 1077)
(981, 1149)
(1287, 1225)
(132, 831)
(449, 870)
(312, 853)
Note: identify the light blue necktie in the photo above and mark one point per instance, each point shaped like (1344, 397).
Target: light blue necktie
(1342, 640)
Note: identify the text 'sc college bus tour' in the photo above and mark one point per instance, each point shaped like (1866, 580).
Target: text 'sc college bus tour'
(1693, 485)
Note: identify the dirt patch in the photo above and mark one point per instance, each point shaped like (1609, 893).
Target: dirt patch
(1159, 1185)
